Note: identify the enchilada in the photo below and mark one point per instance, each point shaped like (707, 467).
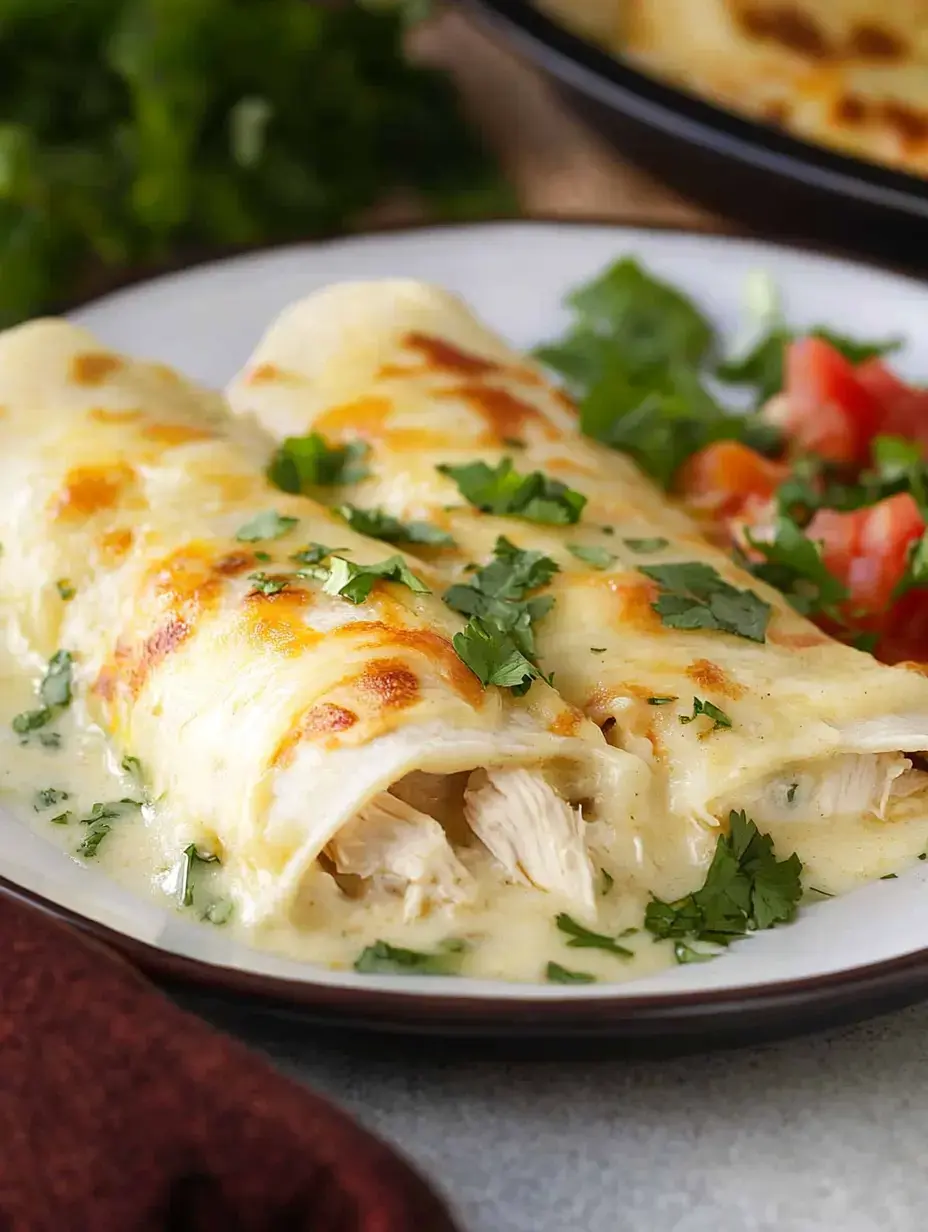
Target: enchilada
(701, 671)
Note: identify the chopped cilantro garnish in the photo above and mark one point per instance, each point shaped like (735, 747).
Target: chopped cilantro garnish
(132, 766)
(381, 958)
(48, 797)
(590, 554)
(582, 938)
(302, 463)
(191, 890)
(626, 314)
(355, 582)
(660, 701)
(55, 694)
(889, 877)
(496, 593)
(62, 819)
(793, 564)
(502, 490)
(607, 881)
(314, 554)
(646, 545)
(261, 584)
(493, 656)
(556, 974)
(719, 717)
(55, 689)
(746, 889)
(99, 823)
(267, 525)
(598, 649)
(378, 524)
(694, 596)
(65, 589)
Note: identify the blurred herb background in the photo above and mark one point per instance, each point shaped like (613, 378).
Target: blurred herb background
(138, 132)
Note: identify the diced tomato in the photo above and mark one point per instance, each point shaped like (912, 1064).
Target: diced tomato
(905, 634)
(825, 409)
(903, 409)
(867, 549)
(726, 475)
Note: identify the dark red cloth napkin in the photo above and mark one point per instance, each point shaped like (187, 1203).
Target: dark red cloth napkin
(120, 1111)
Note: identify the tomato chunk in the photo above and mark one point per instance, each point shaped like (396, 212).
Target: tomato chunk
(903, 408)
(825, 409)
(867, 549)
(725, 475)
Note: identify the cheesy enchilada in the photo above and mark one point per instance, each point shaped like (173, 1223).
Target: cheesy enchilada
(705, 673)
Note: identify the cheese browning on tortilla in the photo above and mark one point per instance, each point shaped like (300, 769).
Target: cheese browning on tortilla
(846, 73)
(815, 733)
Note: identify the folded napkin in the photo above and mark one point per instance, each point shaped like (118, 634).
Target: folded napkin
(120, 1111)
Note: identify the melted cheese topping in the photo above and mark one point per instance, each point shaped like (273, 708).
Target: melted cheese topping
(800, 704)
(322, 751)
(847, 73)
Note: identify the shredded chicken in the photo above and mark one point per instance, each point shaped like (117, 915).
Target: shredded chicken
(392, 843)
(536, 836)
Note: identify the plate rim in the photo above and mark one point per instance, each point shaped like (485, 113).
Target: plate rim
(846, 995)
(684, 115)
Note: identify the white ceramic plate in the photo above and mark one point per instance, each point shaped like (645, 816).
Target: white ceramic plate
(842, 957)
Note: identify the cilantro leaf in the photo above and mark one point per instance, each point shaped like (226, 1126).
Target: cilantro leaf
(710, 710)
(314, 554)
(378, 524)
(590, 554)
(556, 974)
(302, 463)
(582, 938)
(55, 694)
(684, 953)
(793, 564)
(65, 589)
(496, 593)
(746, 889)
(694, 596)
(55, 689)
(48, 797)
(355, 582)
(267, 525)
(503, 491)
(381, 958)
(261, 584)
(494, 657)
(192, 888)
(99, 824)
(626, 311)
(647, 545)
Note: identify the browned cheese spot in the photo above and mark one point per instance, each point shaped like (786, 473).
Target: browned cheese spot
(277, 623)
(90, 489)
(322, 722)
(101, 414)
(175, 433)
(445, 357)
(789, 26)
(390, 684)
(567, 723)
(93, 367)
(708, 675)
(116, 544)
(876, 43)
(437, 650)
(504, 414)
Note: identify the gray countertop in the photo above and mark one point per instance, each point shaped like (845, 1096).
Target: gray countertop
(820, 1134)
